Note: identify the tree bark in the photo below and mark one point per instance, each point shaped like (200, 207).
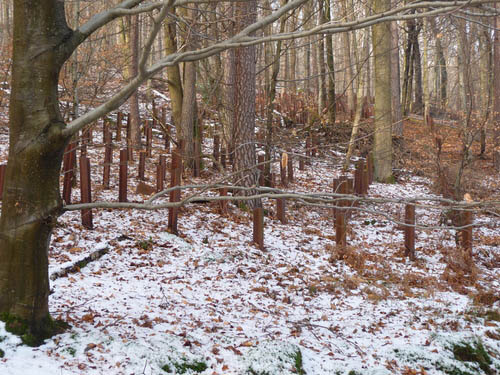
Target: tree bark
(320, 48)
(496, 84)
(397, 115)
(31, 198)
(135, 117)
(332, 112)
(417, 72)
(348, 64)
(189, 108)
(189, 113)
(174, 75)
(381, 39)
(244, 103)
(271, 95)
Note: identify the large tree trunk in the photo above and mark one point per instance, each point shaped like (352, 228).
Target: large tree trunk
(244, 103)
(383, 102)
(31, 199)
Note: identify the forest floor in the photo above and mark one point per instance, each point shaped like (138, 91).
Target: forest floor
(209, 301)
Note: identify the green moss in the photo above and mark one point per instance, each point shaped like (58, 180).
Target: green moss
(146, 244)
(166, 368)
(298, 363)
(33, 336)
(251, 371)
(474, 352)
(14, 325)
(71, 351)
(2, 353)
(184, 366)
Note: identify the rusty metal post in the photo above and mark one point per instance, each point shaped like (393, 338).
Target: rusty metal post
(142, 165)
(108, 160)
(341, 214)
(223, 203)
(85, 191)
(281, 210)
(149, 140)
(216, 151)
(467, 232)
(370, 167)
(122, 190)
(258, 227)
(358, 178)
(365, 180)
(119, 117)
(159, 179)
(175, 179)
(409, 231)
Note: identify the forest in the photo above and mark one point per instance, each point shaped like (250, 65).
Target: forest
(248, 187)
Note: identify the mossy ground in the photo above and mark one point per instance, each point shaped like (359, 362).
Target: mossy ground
(473, 352)
(183, 366)
(30, 336)
(466, 357)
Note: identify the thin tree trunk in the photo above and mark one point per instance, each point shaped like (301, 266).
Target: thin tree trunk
(332, 112)
(397, 115)
(135, 117)
(293, 56)
(359, 101)
(496, 84)
(271, 94)
(417, 72)
(321, 62)
(174, 75)
(486, 62)
(348, 70)
(381, 38)
(189, 108)
(425, 68)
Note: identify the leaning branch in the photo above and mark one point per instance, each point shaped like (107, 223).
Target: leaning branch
(319, 200)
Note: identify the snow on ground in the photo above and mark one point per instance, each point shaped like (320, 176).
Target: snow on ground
(210, 302)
